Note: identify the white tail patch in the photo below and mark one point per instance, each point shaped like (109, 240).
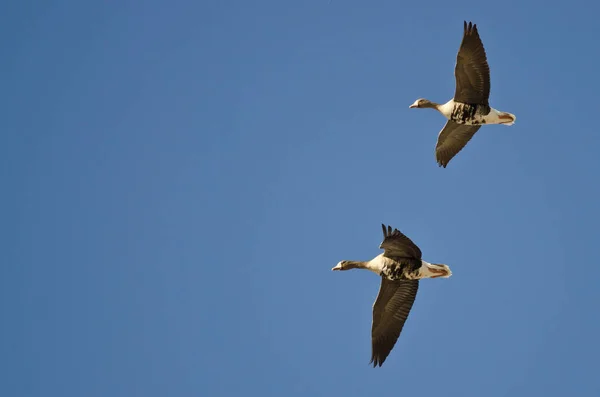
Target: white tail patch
(431, 270)
(507, 118)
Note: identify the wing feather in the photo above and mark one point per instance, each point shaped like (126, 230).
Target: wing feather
(390, 311)
(472, 72)
(397, 244)
(451, 139)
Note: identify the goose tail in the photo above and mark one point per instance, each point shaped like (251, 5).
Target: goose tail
(434, 270)
(507, 118)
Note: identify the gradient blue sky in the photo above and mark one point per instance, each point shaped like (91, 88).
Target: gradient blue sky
(178, 179)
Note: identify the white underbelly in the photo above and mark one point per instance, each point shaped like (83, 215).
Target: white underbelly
(491, 118)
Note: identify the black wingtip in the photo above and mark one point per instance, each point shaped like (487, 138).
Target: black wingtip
(376, 361)
(470, 27)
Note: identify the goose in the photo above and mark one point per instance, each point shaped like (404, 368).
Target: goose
(400, 267)
(469, 108)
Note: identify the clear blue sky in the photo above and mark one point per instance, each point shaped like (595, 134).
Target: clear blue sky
(178, 179)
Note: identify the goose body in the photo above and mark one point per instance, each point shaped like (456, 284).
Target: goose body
(469, 109)
(468, 114)
(400, 267)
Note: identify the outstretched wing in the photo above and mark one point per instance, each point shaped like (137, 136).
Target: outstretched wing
(451, 139)
(472, 71)
(390, 311)
(397, 244)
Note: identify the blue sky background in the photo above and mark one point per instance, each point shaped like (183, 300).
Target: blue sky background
(178, 178)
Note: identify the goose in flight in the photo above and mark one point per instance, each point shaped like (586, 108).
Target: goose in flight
(469, 108)
(400, 267)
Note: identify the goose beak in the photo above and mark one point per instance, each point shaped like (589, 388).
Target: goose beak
(415, 104)
(337, 267)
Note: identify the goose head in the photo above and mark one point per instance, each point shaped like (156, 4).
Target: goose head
(346, 265)
(423, 103)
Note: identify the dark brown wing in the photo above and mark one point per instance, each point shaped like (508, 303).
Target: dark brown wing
(451, 139)
(472, 71)
(390, 311)
(397, 244)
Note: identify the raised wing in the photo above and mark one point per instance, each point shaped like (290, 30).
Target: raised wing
(397, 244)
(451, 139)
(390, 311)
(472, 71)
